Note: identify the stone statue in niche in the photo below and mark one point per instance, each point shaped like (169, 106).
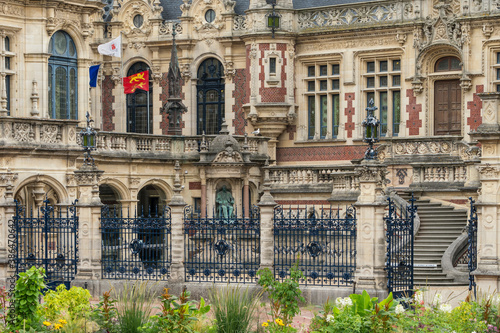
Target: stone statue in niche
(225, 203)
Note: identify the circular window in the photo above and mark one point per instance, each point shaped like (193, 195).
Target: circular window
(210, 15)
(60, 43)
(138, 21)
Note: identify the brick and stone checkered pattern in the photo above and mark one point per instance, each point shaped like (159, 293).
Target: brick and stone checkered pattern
(305, 154)
(349, 112)
(291, 129)
(414, 110)
(241, 94)
(107, 104)
(475, 107)
(272, 95)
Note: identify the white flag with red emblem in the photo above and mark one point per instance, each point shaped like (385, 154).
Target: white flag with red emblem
(112, 48)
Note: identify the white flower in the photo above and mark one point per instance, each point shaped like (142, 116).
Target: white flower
(438, 299)
(343, 302)
(419, 297)
(399, 309)
(496, 300)
(330, 318)
(339, 302)
(347, 301)
(445, 308)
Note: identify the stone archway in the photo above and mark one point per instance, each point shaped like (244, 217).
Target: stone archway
(151, 201)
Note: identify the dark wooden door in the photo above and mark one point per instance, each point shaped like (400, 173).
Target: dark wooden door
(447, 107)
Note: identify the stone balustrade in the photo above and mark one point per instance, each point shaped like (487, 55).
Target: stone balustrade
(33, 131)
(451, 173)
(343, 178)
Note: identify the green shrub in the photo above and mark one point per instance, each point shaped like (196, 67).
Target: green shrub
(177, 314)
(105, 314)
(233, 309)
(284, 296)
(26, 297)
(134, 306)
(70, 304)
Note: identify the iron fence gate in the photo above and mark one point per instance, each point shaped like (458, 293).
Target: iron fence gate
(321, 240)
(399, 236)
(221, 249)
(135, 247)
(472, 245)
(45, 238)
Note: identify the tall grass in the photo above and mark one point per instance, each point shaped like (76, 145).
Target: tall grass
(233, 309)
(135, 303)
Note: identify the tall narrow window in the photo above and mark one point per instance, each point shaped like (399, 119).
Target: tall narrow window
(63, 87)
(496, 75)
(7, 73)
(322, 86)
(140, 104)
(210, 106)
(383, 84)
(272, 66)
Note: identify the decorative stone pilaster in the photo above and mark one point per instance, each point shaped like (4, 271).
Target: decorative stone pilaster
(177, 205)
(370, 260)
(488, 207)
(7, 210)
(89, 235)
(266, 205)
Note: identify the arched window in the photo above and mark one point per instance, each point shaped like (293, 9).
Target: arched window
(8, 72)
(210, 96)
(140, 104)
(63, 77)
(447, 64)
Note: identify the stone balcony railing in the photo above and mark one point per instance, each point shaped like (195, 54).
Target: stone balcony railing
(32, 131)
(318, 178)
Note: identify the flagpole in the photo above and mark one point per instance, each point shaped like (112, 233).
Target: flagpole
(148, 108)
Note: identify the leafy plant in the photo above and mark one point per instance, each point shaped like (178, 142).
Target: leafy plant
(4, 297)
(134, 306)
(233, 309)
(284, 296)
(105, 314)
(27, 293)
(73, 303)
(177, 314)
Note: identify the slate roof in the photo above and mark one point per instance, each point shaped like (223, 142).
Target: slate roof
(172, 11)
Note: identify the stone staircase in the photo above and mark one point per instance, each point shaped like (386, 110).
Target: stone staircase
(440, 225)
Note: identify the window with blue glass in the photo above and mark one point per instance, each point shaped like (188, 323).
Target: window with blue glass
(210, 97)
(382, 79)
(63, 77)
(322, 86)
(7, 74)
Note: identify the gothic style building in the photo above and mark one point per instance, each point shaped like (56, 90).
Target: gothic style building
(267, 95)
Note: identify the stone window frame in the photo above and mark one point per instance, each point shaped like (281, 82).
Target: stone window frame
(494, 52)
(390, 88)
(332, 93)
(7, 75)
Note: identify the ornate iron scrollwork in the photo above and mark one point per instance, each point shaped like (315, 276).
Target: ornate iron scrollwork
(221, 247)
(314, 249)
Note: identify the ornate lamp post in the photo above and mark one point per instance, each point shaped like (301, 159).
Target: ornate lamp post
(371, 133)
(88, 136)
(273, 19)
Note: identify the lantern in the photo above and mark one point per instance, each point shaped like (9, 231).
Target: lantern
(273, 19)
(88, 136)
(371, 132)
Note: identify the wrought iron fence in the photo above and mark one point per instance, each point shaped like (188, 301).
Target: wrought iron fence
(135, 247)
(472, 244)
(399, 257)
(221, 249)
(45, 238)
(322, 241)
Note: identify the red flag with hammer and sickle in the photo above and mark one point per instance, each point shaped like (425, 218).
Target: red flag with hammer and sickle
(137, 81)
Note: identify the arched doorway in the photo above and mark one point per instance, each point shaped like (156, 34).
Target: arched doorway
(108, 195)
(140, 104)
(152, 201)
(448, 99)
(210, 97)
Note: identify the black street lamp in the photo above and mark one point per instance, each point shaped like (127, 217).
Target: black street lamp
(371, 133)
(88, 136)
(273, 19)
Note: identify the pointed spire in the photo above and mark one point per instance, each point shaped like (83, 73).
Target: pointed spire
(174, 72)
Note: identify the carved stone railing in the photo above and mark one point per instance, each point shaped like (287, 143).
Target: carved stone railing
(157, 144)
(342, 16)
(341, 178)
(31, 131)
(440, 173)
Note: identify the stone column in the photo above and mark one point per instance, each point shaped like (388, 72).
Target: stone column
(203, 207)
(488, 206)
(370, 244)
(89, 236)
(7, 211)
(266, 205)
(177, 205)
(246, 198)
